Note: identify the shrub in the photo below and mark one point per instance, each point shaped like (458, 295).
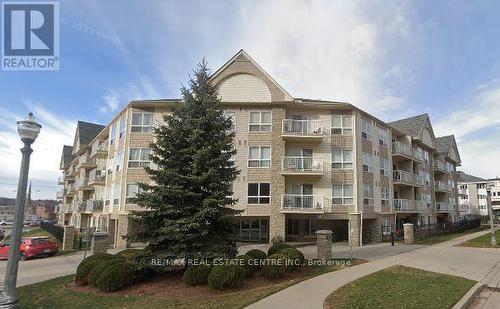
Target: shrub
(226, 276)
(100, 268)
(116, 277)
(86, 266)
(129, 254)
(274, 266)
(196, 275)
(276, 248)
(294, 256)
(276, 239)
(249, 264)
(257, 254)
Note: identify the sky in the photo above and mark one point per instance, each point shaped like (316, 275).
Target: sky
(393, 59)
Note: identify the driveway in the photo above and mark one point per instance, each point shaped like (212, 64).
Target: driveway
(472, 263)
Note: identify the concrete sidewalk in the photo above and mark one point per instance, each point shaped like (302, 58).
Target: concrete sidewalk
(470, 263)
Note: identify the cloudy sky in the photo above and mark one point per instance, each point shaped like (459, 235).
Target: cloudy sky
(391, 58)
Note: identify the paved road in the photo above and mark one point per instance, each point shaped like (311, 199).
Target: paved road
(472, 263)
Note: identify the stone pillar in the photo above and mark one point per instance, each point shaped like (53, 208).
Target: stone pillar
(122, 231)
(100, 243)
(409, 235)
(354, 229)
(111, 231)
(324, 244)
(68, 237)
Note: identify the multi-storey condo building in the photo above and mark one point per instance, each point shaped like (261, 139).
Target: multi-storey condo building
(472, 195)
(305, 165)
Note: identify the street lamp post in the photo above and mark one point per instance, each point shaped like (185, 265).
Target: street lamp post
(28, 131)
(493, 240)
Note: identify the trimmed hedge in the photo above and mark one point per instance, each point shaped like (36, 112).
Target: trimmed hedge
(129, 254)
(249, 264)
(98, 270)
(275, 266)
(276, 248)
(196, 275)
(294, 256)
(226, 276)
(86, 266)
(257, 254)
(116, 277)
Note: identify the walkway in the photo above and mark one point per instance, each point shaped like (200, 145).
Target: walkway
(471, 263)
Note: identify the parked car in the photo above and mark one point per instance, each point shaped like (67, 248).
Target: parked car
(7, 222)
(31, 247)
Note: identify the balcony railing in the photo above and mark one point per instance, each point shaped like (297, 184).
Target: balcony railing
(407, 178)
(83, 184)
(86, 162)
(302, 203)
(409, 205)
(443, 207)
(59, 195)
(94, 205)
(402, 149)
(99, 149)
(97, 177)
(70, 189)
(302, 127)
(302, 165)
(441, 186)
(440, 166)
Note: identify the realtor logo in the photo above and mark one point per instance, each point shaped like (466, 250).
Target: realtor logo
(30, 36)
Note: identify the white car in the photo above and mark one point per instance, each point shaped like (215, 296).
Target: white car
(6, 222)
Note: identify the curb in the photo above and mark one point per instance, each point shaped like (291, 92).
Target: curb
(470, 296)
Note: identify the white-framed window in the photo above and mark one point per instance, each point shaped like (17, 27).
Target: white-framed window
(341, 124)
(259, 156)
(383, 137)
(260, 121)
(259, 193)
(367, 162)
(368, 195)
(385, 193)
(342, 159)
(107, 194)
(232, 116)
(428, 199)
(464, 187)
(464, 197)
(139, 157)
(366, 128)
(142, 122)
(479, 186)
(113, 134)
(119, 160)
(386, 226)
(122, 126)
(110, 164)
(231, 190)
(384, 166)
(132, 190)
(116, 194)
(342, 194)
(427, 177)
(426, 156)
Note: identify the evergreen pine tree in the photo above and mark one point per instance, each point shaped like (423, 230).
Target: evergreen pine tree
(186, 211)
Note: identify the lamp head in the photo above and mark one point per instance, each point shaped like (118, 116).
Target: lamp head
(28, 129)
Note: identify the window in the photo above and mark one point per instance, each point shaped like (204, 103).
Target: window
(119, 160)
(464, 187)
(368, 195)
(384, 166)
(342, 159)
(383, 137)
(385, 193)
(259, 193)
(139, 157)
(113, 134)
(232, 117)
(479, 186)
(342, 194)
(132, 190)
(341, 124)
(464, 197)
(231, 190)
(367, 162)
(426, 156)
(259, 156)
(110, 165)
(122, 127)
(116, 194)
(310, 227)
(260, 122)
(293, 226)
(427, 178)
(108, 196)
(366, 131)
(386, 226)
(481, 197)
(142, 122)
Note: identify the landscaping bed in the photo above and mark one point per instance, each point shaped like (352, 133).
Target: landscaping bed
(401, 287)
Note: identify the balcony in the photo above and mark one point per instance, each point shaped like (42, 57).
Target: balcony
(407, 178)
(298, 203)
(403, 205)
(60, 180)
(70, 189)
(441, 186)
(405, 151)
(99, 150)
(442, 207)
(302, 166)
(86, 162)
(440, 166)
(83, 184)
(293, 129)
(94, 205)
(59, 195)
(97, 177)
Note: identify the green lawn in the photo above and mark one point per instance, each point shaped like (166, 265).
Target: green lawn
(438, 239)
(54, 294)
(401, 287)
(483, 241)
(35, 232)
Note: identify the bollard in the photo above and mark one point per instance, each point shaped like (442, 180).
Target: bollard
(392, 239)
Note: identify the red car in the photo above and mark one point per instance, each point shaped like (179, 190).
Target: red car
(31, 247)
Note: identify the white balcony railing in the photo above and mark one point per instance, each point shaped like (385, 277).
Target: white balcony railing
(443, 207)
(99, 147)
(440, 165)
(407, 178)
(402, 149)
(302, 127)
(82, 183)
(94, 205)
(302, 165)
(409, 205)
(440, 186)
(302, 202)
(96, 175)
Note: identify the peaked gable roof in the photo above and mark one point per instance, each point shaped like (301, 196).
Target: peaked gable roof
(85, 133)
(417, 127)
(447, 145)
(463, 177)
(66, 156)
(241, 64)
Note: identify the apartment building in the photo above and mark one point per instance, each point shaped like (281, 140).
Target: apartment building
(305, 165)
(472, 195)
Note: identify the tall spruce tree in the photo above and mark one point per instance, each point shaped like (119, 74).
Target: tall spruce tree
(186, 209)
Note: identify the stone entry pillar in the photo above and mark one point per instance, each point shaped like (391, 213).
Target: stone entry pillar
(355, 229)
(324, 244)
(68, 237)
(100, 243)
(409, 234)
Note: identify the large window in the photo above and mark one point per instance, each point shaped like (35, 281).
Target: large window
(260, 122)
(367, 162)
(342, 194)
(116, 194)
(139, 157)
(368, 195)
(341, 124)
(119, 160)
(366, 129)
(385, 194)
(142, 122)
(232, 116)
(384, 166)
(259, 156)
(132, 190)
(113, 134)
(383, 137)
(122, 126)
(259, 193)
(341, 159)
